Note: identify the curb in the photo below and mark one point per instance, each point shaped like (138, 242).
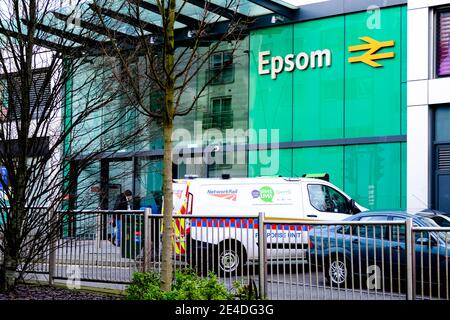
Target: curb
(83, 288)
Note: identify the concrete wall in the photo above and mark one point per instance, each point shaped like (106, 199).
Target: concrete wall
(424, 91)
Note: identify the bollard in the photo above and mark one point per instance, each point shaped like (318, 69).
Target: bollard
(410, 261)
(262, 256)
(147, 244)
(52, 247)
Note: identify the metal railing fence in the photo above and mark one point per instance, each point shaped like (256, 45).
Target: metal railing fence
(284, 259)
(430, 263)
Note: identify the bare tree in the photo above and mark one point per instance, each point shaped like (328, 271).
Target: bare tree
(160, 67)
(59, 103)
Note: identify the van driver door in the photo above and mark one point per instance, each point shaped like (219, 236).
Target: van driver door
(323, 202)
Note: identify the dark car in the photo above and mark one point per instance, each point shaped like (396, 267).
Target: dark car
(349, 254)
(440, 217)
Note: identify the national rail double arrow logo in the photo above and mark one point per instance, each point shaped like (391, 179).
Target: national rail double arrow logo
(372, 46)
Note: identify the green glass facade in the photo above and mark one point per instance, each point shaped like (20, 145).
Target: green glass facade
(346, 119)
(340, 104)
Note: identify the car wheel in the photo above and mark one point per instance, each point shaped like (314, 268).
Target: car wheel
(337, 272)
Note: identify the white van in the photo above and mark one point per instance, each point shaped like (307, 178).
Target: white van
(281, 199)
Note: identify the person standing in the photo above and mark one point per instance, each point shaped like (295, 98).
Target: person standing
(123, 202)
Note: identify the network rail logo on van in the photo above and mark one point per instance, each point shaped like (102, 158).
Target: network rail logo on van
(227, 194)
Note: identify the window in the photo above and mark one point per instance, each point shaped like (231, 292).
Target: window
(221, 70)
(398, 233)
(326, 199)
(441, 221)
(39, 95)
(220, 114)
(365, 231)
(370, 231)
(443, 44)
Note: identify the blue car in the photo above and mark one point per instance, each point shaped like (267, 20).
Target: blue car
(350, 255)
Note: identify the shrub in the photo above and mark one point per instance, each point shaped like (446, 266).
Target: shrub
(246, 291)
(144, 286)
(187, 286)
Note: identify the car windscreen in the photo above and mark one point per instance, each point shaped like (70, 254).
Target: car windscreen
(430, 223)
(441, 221)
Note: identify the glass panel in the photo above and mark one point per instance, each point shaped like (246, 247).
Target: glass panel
(149, 184)
(216, 60)
(54, 22)
(319, 92)
(88, 198)
(443, 193)
(270, 163)
(125, 7)
(226, 105)
(242, 6)
(441, 221)
(196, 12)
(120, 179)
(318, 197)
(442, 120)
(322, 159)
(370, 231)
(88, 188)
(398, 233)
(404, 44)
(216, 104)
(235, 170)
(403, 174)
(339, 202)
(373, 95)
(443, 44)
(227, 58)
(88, 89)
(271, 99)
(326, 199)
(373, 175)
(220, 106)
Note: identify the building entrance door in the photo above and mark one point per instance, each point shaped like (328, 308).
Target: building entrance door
(117, 177)
(120, 178)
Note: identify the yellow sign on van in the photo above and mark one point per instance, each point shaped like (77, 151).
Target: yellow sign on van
(372, 46)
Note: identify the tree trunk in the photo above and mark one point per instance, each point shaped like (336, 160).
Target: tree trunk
(168, 115)
(13, 241)
(8, 273)
(166, 267)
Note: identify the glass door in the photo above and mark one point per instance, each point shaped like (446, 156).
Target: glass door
(120, 179)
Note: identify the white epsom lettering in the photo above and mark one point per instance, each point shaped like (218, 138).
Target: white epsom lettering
(277, 66)
(290, 62)
(318, 55)
(262, 62)
(298, 61)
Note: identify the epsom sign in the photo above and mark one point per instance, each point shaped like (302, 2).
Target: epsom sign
(302, 61)
(274, 65)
